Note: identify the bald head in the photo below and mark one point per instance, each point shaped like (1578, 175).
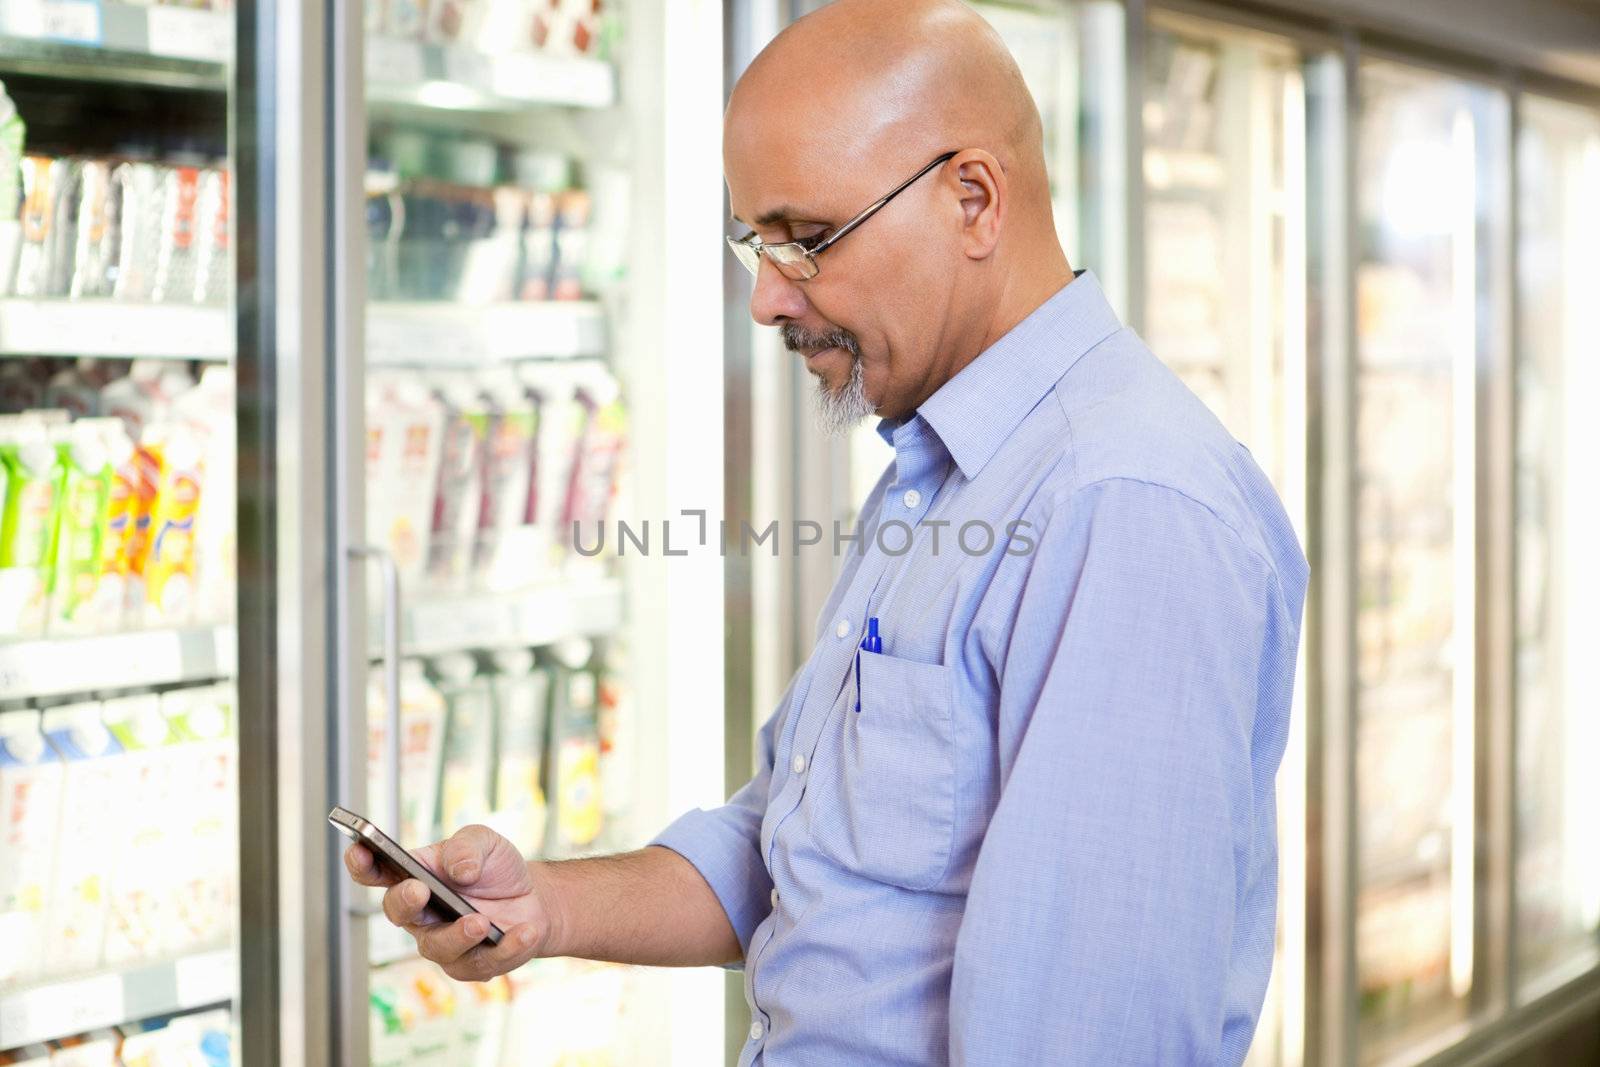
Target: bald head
(839, 109)
(889, 83)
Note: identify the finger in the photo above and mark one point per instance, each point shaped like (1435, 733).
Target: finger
(406, 905)
(445, 943)
(364, 869)
(465, 855)
(519, 945)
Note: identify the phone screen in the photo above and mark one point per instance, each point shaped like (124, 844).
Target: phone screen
(444, 902)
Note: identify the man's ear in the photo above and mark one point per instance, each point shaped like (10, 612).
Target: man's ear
(983, 201)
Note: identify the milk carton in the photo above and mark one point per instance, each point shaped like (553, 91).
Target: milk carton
(504, 548)
(30, 812)
(405, 432)
(142, 885)
(467, 779)
(206, 821)
(92, 788)
(521, 696)
(458, 489)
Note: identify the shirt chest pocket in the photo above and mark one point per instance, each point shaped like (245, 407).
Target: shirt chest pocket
(893, 806)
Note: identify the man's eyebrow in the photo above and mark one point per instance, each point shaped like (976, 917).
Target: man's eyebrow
(781, 213)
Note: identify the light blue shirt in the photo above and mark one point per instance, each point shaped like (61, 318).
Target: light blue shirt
(1048, 836)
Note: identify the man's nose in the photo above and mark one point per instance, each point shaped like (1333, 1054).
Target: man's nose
(775, 297)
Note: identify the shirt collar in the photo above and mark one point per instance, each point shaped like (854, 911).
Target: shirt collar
(975, 411)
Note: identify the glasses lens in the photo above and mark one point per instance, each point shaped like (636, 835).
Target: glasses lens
(745, 254)
(792, 261)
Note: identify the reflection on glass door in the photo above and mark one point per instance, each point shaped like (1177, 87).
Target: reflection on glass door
(1225, 284)
(1422, 143)
(1558, 527)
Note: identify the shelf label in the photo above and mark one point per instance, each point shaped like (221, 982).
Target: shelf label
(70, 20)
(205, 979)
(191, 34)
(61, 1010)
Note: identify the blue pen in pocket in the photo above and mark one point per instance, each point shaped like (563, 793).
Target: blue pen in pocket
(870, 643)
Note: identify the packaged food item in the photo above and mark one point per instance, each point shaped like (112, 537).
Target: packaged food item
(422, 727)
(141, 887)
(433, 999)
(92, 1050)
(106, 607)
(33, 476)
(30, 813)
(539, 247)
(455, 21)
(40, 180)
(489, 271)
(212, 264)
(90, 787)
(87, 475)
(572, 244)
(169, 564)
(618, 729)
(208, 409)
(521, 690)
(178, 254)
(457, 494)
(577, 815)
(467, 782)
(95, 231)
(206, 822)
(139, 247)
(29, 1056)
(507, 477)
(560, 431)
(13, 138)
(598, 458)
(405, 431)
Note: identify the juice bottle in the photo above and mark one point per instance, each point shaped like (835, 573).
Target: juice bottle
(169, 564)
(85, 506)
(521, 699)
(466, 783)
(578, 816)
(28, 531)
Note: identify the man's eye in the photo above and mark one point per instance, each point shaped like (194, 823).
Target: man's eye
(811, 242)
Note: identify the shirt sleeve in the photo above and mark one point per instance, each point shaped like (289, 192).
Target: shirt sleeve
(724, 844)
(1121, 909)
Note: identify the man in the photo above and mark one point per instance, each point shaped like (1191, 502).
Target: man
(1036, 826)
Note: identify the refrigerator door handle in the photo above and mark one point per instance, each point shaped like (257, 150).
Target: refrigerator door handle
(391, 676)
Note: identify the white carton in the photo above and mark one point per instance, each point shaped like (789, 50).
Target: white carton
(30, 813)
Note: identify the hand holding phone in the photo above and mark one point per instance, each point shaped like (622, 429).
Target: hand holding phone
(470, 902)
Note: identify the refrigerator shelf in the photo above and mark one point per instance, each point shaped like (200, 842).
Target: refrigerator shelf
(112, 41)
(541, 615)
(462, 79)
(71, 1006)
(113, 329)
(56, 666)
(460, 335)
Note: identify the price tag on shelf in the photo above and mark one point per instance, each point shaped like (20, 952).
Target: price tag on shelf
(190, 34)
(70, 20)
(62, 1009)
(204, 979)
(394, 61)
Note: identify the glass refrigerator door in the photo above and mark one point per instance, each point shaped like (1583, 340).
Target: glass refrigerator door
(1423, 209)
(1558, 525)
(1225, 299)
(118, 784)
(525, 400)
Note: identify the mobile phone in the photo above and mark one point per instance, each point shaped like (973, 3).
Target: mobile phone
(445, 903)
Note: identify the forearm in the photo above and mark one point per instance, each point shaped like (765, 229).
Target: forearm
(648, 907)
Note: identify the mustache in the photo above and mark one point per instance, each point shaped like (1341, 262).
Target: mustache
(797, 338)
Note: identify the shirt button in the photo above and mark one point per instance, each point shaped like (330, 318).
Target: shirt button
(843, 629)
(774, 898)
(756, 1030)
(798, 765)
(912, 498)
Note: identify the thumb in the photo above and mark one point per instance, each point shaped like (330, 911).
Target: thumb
(476, 856)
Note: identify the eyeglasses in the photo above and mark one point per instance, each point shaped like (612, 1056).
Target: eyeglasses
(797, 260)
